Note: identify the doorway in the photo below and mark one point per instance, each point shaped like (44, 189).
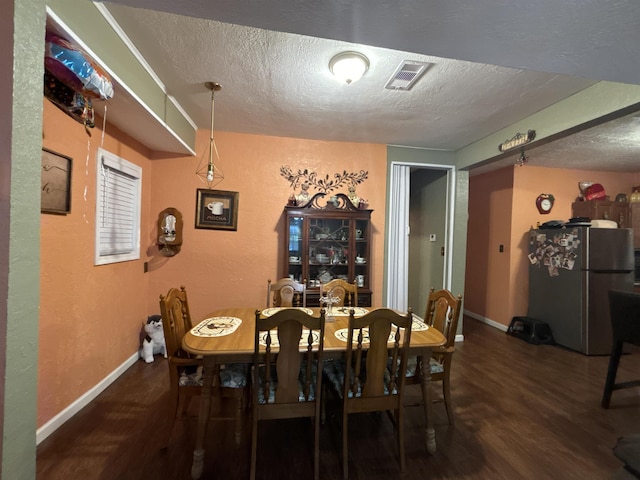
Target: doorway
(427, 234)
(420, 222)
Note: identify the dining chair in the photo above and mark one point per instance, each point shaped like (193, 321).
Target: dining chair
(375, 381)
(185, 370)
(345, 291)
(286, 293)
(443, 312)
(287, 358)
(624, 308)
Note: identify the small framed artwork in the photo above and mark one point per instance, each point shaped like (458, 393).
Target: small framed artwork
(56, 183)
(217, 209)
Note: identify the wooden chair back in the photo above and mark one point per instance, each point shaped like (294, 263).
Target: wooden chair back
(286, 293)
(382, 334)
(443, 312)
(185, 370)
(287, 372)
(375, 381)
(176, 320)
(345, 291)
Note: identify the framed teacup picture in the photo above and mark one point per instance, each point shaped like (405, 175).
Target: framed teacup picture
(217, 209)
(56, 183)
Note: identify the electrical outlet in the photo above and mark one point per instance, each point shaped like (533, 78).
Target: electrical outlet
(432, 237)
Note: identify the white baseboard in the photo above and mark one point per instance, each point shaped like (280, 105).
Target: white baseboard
(486, 320)
(56, 422)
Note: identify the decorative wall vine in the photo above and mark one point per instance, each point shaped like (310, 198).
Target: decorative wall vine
(323, 184)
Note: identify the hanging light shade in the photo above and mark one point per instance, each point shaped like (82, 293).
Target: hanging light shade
(349, 67)
(209, 169)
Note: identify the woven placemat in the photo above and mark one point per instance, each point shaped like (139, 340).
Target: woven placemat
(267, 312)
(216, 327)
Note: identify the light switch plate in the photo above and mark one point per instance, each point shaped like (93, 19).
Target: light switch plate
(432, 237)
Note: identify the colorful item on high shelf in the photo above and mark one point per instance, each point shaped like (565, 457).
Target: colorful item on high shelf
(595, 192)
(74, 104)
(76, 69)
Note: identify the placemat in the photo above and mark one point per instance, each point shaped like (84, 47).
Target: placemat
(303, 338)
(216, 327)
(343, 333)
(267, 312)
(418, 325)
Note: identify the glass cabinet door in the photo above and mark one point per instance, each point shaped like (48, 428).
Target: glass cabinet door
(295, 248)
(329, 249)
(361, 253)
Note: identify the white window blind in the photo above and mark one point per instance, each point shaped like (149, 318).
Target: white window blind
(118, 194)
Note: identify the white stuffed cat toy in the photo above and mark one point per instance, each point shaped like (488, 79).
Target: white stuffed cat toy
(153, 343)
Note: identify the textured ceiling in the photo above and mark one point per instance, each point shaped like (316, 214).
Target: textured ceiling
(279, 84)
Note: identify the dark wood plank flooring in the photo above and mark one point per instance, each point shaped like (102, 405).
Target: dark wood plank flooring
(522, 412)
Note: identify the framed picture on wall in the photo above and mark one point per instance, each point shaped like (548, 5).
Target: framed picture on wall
(56, 183)
(216, 209)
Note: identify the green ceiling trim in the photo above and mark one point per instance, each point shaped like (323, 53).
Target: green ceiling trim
(598, 103)
(88, 24)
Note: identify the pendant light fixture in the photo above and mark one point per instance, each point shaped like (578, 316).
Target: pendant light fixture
(209, 169)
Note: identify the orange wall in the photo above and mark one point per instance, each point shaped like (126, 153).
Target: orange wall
(501, 211)
(90, 317)
(230, 268)
(487, 272)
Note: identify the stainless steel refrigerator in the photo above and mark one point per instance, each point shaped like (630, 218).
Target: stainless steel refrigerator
(571, 271)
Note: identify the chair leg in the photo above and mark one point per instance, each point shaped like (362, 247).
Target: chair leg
(614, 361)
(345, 446)
(238, 418)
(254, 444)
(316, 448)
(400, 430)
(446, 393)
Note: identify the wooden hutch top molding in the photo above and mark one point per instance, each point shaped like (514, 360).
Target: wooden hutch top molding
(342, 202)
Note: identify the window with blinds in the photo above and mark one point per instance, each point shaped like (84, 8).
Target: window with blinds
(118, 192)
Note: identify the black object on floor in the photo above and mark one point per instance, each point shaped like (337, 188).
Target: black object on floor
(530, 330)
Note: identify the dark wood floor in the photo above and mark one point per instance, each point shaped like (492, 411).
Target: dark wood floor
(522, 412)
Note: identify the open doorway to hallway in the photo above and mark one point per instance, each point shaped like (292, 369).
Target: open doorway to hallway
(428, 234)
(421, 205)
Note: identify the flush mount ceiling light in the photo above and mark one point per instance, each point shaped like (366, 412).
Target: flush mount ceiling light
(208, 169)
(349, 67)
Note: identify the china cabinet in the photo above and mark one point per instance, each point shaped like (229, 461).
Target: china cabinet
(327, 238)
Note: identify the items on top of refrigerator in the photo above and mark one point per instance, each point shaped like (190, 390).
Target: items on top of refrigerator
(595, 192)
(603, 224)
(552, 224)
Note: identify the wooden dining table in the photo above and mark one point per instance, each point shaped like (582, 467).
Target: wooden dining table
(227, 336)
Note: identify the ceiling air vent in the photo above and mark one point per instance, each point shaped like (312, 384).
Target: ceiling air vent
(406, 75)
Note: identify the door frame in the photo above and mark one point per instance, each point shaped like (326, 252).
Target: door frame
(396, 267)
